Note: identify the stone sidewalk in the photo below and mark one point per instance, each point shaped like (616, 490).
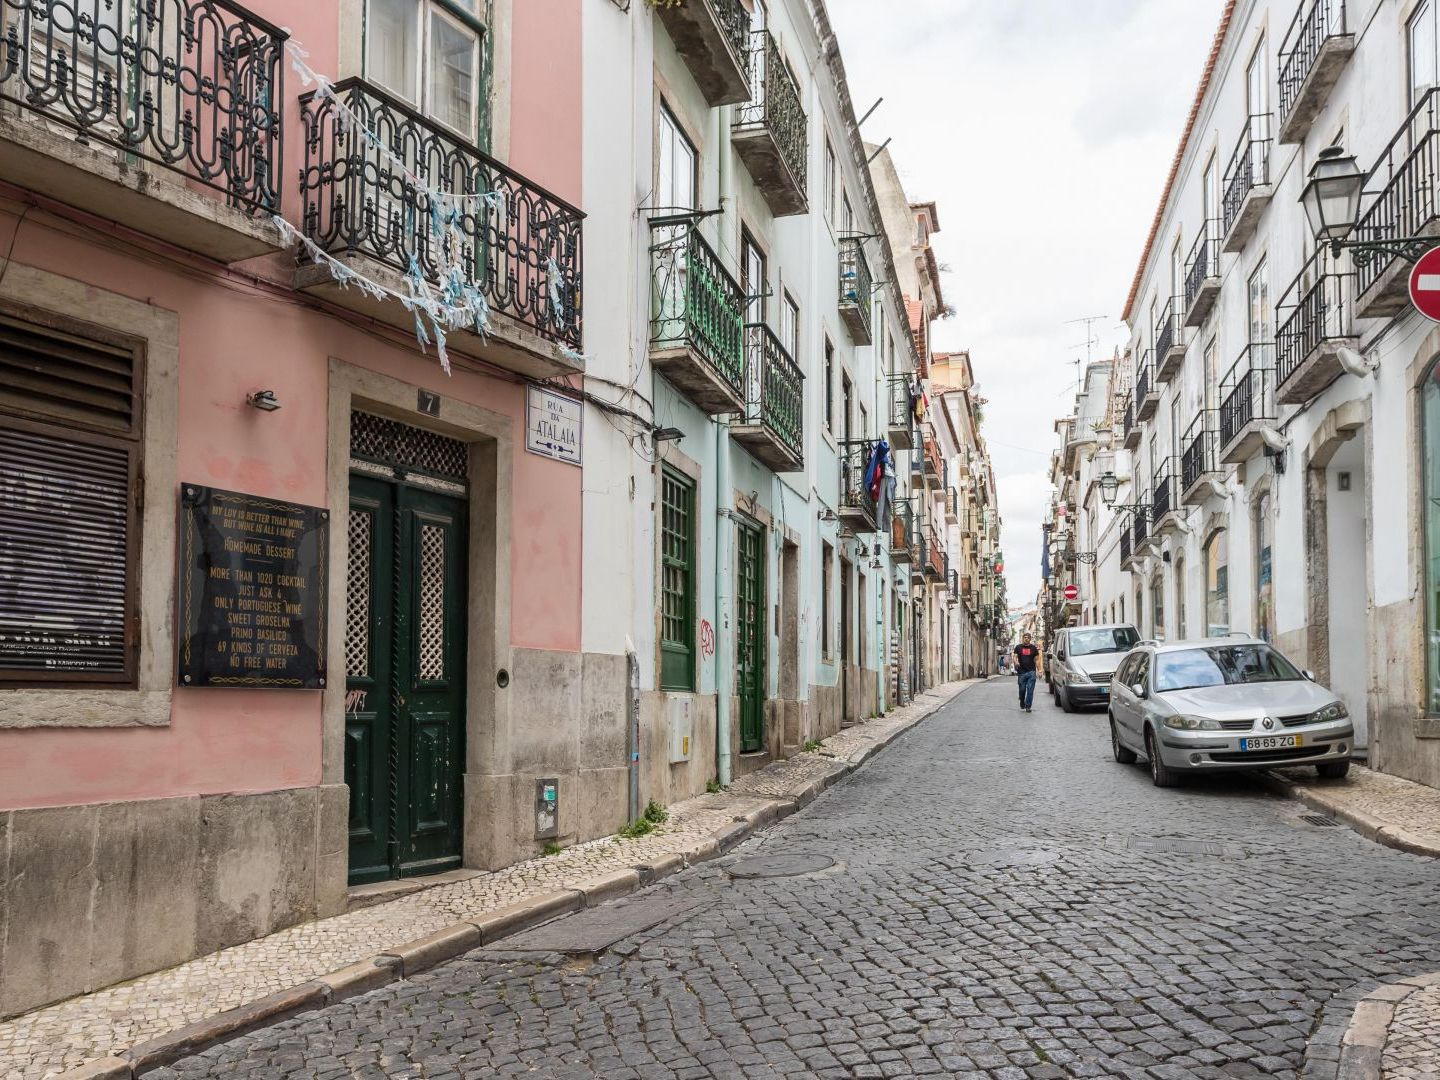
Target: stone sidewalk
(127, 1029)
(1394, 1031)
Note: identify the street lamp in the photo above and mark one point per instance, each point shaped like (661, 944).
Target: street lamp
(1110, 490)
(1331, 200)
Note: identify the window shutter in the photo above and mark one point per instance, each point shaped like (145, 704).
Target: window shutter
(69, 448)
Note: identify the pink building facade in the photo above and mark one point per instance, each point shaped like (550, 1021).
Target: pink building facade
(148, 299)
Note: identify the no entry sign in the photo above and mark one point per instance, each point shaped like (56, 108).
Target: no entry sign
(1072, 592)
(1425, 285)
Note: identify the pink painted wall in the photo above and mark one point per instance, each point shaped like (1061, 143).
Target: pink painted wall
(235, 338)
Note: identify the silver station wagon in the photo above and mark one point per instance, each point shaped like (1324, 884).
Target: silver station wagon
(1220, 704)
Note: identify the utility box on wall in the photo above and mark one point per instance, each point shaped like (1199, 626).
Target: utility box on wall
(682, 728)
(547, 809)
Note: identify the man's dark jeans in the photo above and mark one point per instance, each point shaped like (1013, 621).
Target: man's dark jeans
(1027, 688)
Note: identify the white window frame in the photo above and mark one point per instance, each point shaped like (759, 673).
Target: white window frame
(420, 95)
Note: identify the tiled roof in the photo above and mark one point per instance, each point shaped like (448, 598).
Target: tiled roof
(1200, 93)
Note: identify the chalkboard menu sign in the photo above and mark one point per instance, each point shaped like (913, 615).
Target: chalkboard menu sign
(252, 591)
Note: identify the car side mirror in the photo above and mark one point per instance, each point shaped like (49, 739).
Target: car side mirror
(1139, 689)
(1310, 675)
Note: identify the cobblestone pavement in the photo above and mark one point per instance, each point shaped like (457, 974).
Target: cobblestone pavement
(73, 1032)
(1412, 1051)
(1001, 906)
(1386, 808)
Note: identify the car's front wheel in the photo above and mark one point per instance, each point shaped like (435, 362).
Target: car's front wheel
(1333, 770)
(1161, 775)
(1063, 700)
(1123, 754)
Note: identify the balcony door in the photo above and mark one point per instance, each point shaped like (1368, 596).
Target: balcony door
(1422, 68)
(750, 635)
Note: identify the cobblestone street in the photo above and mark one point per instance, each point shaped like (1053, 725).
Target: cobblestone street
(1003, 903)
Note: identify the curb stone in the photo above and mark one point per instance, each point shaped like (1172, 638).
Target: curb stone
(1356, 1052)
(411, 958)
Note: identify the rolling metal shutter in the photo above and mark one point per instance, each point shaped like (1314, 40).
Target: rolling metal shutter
(69, 448)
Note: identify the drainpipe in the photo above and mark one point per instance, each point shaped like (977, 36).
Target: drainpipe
(724, 533)
(724, 660)
(632, 728)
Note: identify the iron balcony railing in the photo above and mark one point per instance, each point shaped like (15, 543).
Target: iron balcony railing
(775, 105)
(901, 407)
(1197, 459)
(1249, 167)
(1139, 528)
(1316, 308)
(1168, 332)
(934, 463)
(854, 492)
(1129, 419)
(776, 393)
(1204, 261)
(1144, 372)
(1314, 24)
(695, 304)
(935, 561)
(1247, 392)
(735, 21)
(1163, 495)
(1125, 546)
(903, 531)
(195, 86)
(1404, 180)
(518, 244)
(856, 285)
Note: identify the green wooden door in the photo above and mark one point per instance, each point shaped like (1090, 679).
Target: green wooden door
(750, 635)
(405, 685)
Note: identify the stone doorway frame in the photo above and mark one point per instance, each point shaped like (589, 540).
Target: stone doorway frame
(488, 650)
(1339, 426)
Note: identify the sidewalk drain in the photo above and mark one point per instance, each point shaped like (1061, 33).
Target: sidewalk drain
(1319, 819)
(777, 866)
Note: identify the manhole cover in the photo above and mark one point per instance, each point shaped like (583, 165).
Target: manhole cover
(768, 866)
(1319, 819)
(1165, 844)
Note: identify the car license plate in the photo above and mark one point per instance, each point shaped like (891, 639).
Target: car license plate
(1104, 691)
(1270, 742)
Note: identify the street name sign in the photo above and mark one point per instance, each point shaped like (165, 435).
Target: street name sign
(554, 424)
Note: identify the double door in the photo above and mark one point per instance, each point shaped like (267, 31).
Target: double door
(405, 679)
(750, 635)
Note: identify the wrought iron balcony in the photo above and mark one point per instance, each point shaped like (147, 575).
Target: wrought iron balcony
(1170, 341)
(1197, 460)
(774, 427)
(1131, 426)
(903, 538)
(771, 131)
(520, 246)
(1312, 55)
(1406, 202)
(934, 464)
(713, 38)
(1147, 391)
(1125, 549)
(1247, 188)
(697, 322)
(857, 508)
(1165, 506)
(952, 506)
(1247, 402)
(1139, 529)
(900, 422)
(1202, 275)
(856, 289)
(1317, 320)
(935, 559)
(109, 98)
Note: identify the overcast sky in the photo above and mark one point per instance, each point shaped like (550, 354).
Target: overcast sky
(1044, 130)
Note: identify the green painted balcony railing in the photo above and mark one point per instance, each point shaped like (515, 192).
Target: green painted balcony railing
(694, 301)
(776, 394)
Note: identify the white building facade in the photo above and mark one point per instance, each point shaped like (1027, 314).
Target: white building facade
(1277, 421)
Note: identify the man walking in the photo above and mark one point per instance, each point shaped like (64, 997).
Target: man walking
(1026, 655)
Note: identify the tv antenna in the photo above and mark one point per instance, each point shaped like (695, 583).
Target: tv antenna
(1091, 340)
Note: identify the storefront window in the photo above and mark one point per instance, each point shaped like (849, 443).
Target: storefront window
(1264, 588)
(1431, 420)
(1217, 585)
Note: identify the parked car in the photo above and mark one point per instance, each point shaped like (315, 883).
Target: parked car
(1224, 704)
(1082, 660)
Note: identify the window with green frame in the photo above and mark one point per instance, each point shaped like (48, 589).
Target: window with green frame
(677, 581)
